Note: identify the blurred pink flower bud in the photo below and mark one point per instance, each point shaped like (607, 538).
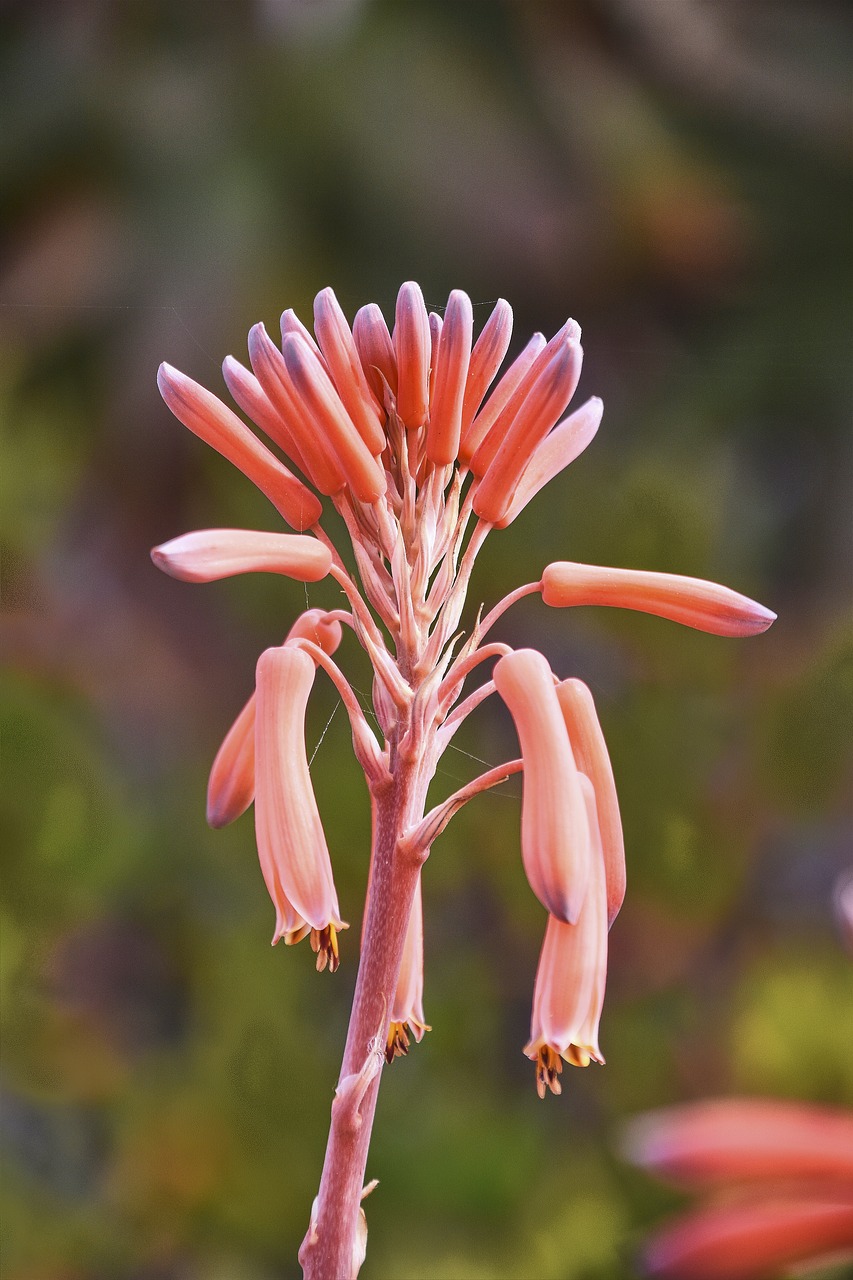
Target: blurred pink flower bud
(210, 554)
(554, 827)
(291, 843)
(502, 395)
(256, 404)
(690, 601)
(570, 981)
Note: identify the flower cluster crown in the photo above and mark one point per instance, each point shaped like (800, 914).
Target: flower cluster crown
(422, 452)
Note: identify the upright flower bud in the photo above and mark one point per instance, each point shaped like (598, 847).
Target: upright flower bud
(291, 843)
(412, 348)
(344, 366)
(212, 421)
(570, 980)
(231, 786)
(486, 358)
(210, 554)
(451, 373)
(375, 349)
(554, 827)
(590, 752)
(331, 421)
(690, 601)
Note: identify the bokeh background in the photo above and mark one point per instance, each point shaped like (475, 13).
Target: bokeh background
(674, 175)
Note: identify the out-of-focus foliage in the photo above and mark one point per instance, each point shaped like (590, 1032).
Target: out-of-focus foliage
(675, 176)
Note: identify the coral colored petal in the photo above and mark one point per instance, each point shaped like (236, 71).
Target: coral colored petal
(486, 358)
(212, 421)
(542, 406)
(536, 376)
(690, 601)
(210, 554)
(556, 452)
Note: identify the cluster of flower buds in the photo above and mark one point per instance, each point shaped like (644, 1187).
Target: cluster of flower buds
(400, 432)
(778, 1183)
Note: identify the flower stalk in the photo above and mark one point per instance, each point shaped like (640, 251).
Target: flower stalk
(398, 432)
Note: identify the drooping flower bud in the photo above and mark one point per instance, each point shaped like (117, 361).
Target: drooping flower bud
(593, 760)
(231, 786)
(344, 366)
(690, 601)
(210, 554)
(555, 836)
(556, 452)
(451, 373)
(212, 421)
(291, 843)
(571, 977)
(407, 1010)
(412, 347)
(331, 421)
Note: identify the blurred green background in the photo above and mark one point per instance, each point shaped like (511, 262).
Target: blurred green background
(674, 175)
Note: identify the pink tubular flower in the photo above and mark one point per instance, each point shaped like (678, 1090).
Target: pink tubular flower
(401, 434)
(407, 1012)
(690, 601)
(211, 554)
(554, 826)
(291, 844)
(787, 1173)
(570, 980)
(231, 787)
